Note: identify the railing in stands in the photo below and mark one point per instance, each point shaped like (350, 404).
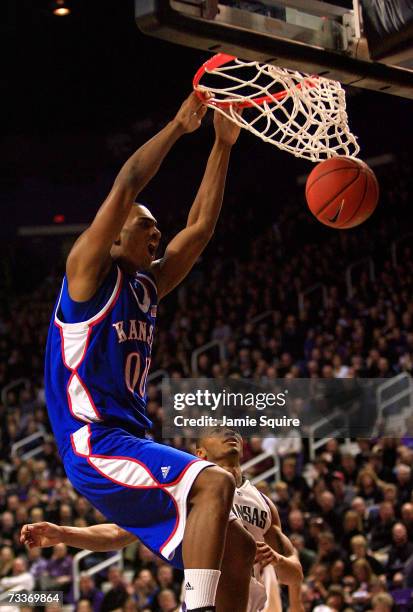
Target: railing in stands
(157, 374)
(27, 440)
(397, 404)
(116, 558)
(209, 345)
(313, 444)
(260, 317)
(368, 263)
(312, 289)
(204, 349)
(272, 471)
(25, 382)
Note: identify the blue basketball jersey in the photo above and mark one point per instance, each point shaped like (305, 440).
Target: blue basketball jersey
(96, 369)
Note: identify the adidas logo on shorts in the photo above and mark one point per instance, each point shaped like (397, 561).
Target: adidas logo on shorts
(165, 470)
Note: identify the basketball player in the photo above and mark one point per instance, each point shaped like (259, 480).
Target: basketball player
(276, 559)
(97, 360)
(257, 513)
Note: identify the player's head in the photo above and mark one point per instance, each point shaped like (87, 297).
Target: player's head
(220, 443)
(138, 240)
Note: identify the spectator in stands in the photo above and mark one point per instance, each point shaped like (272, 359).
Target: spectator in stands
(349, 468)
(317, 582)
(400, 551)
(404, 482)
(337, 572)
(84, 605)
(6, 561)
(363, 455)
(352, 526)
(145, 558)
(165, 578)
(344, 494)
(407, 518)
(21, 579)
(335, 597)
(359, 505)
(359, 550)
(117, 595)
(377, 464)
(365, 578)
(321, 468)
(65, 514)
(307, 557)
(253, 448)
(327, 551)
(315, 526)
(89, 592)
(328, 512)
(295, 482)
(83, 510)
(390, 493)
(368, 486)
(381, 534)
(296, 522)
(130, 605)
(38, 565)
(283, 501)
(7, 529)
(382, 602)
(145, 589)
(167, 600)
(59, 569)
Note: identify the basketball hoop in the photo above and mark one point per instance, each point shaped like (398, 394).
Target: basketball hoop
(299, 113)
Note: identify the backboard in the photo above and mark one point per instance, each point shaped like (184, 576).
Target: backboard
(311, 36)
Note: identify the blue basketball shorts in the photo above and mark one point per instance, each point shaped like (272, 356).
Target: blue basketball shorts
(136, 483)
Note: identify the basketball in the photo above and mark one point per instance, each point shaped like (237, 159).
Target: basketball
(342, 192)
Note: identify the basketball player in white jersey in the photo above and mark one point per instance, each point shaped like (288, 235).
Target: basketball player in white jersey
(276, 559)
(257, 513)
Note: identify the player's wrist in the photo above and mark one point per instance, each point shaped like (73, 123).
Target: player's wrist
(177, 127)
(223, 143)
(63, 534)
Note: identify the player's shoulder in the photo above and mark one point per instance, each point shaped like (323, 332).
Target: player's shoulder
(272, 507)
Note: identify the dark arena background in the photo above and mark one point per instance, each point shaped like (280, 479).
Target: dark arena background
(79, 94)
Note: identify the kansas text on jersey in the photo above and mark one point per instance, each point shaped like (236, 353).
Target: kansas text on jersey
(250, 506)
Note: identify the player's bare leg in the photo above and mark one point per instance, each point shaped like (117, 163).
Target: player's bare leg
(209, 505)
(239, 554)
(210, 502)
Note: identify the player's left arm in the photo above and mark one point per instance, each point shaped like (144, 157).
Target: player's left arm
(282, 553)
(185, 248)
(100, 538)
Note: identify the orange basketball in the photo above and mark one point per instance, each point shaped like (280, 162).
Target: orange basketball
(342, 192)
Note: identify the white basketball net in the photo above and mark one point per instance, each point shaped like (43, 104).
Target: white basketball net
(309, 120)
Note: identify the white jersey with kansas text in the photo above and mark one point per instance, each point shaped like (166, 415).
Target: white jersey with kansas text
(251, 507)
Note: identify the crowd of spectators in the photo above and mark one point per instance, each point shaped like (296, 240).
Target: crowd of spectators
(350, 516)
(349, 512)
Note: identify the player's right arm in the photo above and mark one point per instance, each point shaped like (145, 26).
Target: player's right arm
(99, 538)
(278, 549)
(89, 260)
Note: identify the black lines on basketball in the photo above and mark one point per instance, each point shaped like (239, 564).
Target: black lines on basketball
(360, 204)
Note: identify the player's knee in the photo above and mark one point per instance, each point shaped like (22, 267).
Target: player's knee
(222, 485)
(216, 485)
